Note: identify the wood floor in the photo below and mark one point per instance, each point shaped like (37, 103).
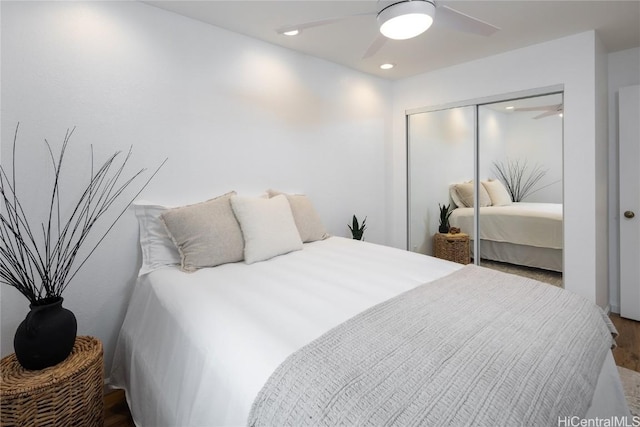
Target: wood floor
(627, 355)
(116, 411)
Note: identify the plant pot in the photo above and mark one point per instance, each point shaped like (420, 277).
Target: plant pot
(443, 229)
(46, 336)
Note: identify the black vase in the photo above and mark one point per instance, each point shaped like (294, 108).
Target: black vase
(46, 336)
(443, 229)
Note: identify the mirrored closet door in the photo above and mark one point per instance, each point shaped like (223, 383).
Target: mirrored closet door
(514, 148)
(440, 152)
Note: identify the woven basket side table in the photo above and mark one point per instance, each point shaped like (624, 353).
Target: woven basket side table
(67, 394)
(452, 247)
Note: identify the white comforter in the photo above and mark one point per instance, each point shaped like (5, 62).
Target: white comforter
(531, 224)
(195, 349)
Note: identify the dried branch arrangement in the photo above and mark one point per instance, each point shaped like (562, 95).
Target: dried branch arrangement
(40, 261)
(518, 179)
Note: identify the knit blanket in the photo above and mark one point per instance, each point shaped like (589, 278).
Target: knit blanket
(477, 347)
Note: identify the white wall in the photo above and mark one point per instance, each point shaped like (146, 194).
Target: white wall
(228, 111)
(623, 70)
(571, 62)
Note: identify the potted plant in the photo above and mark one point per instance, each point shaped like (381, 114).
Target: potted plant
(445, 213)
(357, 230)
(39, 259)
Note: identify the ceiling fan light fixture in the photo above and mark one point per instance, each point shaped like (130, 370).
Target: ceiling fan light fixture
(406, 19)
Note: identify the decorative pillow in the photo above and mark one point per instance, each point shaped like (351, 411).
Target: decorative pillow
(497, 192)
(158, 250)
(267, 226)
(305, 216)
(454, 196)
(206, 234)
(464, 193)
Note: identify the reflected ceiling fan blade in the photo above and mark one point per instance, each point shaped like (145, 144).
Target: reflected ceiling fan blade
(375, 46)
(319, 22)
(456, 20)
(547, 114)
(557, 108)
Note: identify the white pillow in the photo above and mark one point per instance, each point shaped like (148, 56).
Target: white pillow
(158, 250)
(268, 227)
(462, 195)
(305, 216)
(454, 196)
(497, 192)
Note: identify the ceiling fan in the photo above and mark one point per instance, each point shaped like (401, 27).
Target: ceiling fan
(549, 110)
(405, 19)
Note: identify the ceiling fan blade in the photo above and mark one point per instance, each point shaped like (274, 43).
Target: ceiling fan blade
(555, 108)
(462, 22)
(547, 114)
(318, 23)
(375, 46)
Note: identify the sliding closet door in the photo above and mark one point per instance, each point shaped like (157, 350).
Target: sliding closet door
(520, 166)
(440, 149)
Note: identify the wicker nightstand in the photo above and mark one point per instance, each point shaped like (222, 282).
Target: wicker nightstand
(68, 394)
(452, 247)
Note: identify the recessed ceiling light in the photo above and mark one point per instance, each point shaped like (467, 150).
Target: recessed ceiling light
(387, 66)
(560, 115)
(510, 107)
(291, 33)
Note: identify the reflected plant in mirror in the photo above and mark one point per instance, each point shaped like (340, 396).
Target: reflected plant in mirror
(445, 213)
(518, 178)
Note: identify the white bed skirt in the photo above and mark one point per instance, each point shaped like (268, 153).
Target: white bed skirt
(530, 256)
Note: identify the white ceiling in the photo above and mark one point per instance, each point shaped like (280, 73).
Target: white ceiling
(522, 23)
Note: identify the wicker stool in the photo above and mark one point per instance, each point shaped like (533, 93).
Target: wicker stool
(452, 247)
(67, 394)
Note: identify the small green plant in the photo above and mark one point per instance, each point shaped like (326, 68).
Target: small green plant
(357, 230)
(445, 213)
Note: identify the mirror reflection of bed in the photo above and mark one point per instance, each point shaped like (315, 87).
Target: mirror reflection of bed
(523, 238)
(519, 165)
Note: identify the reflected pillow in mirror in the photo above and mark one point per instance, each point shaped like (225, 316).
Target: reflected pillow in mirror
(464, 193)
(497, 192)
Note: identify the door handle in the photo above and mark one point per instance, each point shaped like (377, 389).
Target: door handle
(629, 214)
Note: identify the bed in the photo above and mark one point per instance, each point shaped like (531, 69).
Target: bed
(246, 312)
(196, 349)
(521, 233)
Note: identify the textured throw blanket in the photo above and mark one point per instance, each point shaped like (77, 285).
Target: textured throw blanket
(477, 347)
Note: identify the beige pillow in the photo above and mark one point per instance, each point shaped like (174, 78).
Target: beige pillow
(206, 234)
(267, 226)
(305, 216)
(497, 192)
(464, 193)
